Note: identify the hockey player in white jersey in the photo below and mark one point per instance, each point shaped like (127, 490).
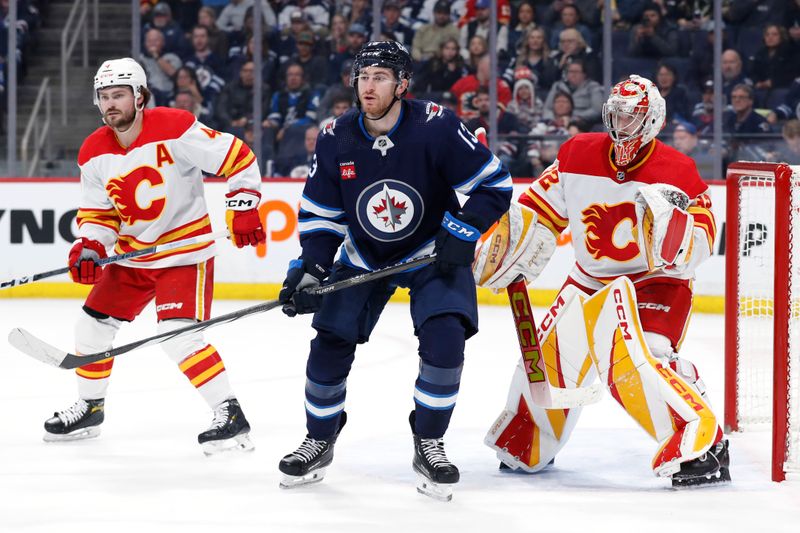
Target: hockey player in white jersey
(641, 223)
(142, 184)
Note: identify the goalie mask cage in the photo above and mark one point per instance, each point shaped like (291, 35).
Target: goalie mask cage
(762, 306)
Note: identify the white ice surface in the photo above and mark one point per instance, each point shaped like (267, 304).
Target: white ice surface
(146, 471)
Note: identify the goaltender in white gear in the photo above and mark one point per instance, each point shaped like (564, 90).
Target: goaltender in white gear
(641, 222)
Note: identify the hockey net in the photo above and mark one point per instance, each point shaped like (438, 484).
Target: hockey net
(762, 315)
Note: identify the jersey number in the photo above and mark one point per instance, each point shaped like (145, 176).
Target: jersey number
(467, 136)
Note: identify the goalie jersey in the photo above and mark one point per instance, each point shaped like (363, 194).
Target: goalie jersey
(584, 189)
(383, 199)
(152, 192)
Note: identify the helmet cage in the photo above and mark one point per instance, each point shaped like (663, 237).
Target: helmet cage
(633, 115)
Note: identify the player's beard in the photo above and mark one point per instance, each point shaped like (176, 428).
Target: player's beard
(121, 120)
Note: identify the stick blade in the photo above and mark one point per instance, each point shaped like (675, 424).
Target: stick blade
(28, 344)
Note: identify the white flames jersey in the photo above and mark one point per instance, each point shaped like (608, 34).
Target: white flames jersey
(152, 192)
(583, 189)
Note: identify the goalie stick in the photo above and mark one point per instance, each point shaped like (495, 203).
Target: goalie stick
(155, 249)
(542, 392)
(44, 352)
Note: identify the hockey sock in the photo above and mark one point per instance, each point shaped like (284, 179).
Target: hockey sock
(441, 348)
(206, 371)
(94, 332)
(326, 383)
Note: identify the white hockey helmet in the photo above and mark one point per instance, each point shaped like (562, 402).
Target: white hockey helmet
(123, 71)
(633, 115)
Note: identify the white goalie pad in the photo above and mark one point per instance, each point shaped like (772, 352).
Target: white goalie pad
(517, 246)
(666, 226)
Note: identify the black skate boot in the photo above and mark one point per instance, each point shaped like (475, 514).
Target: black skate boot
(436, 474)
(307, 464)
(710, 468)
(229, 430)
(79, 421)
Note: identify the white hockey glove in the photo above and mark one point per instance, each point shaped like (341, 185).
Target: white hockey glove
(666, 227)
(518, 245)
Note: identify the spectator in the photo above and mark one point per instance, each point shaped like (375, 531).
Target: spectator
(742, 119)
(209, 67)
(217, 39)
(174, 40)
(358, 12)
(703, 113)
(556, 123)
(569, 18)
(465, 88)
(341, 104)
(391, 23)
(507, 125)
(774, 65)
(443, 70)
(449, 101)
(298, 165)
(790, 107)
(480, 26)
(231, 18)
(525, 105)
(571, 47)
(792, 22)
(577, 126)
(587, 95)
(684, 139)
(701, 57)
(187, 100)
(789, 150)
(754, 13)
(159, 65)
(654, 36)
(296, 104)
(185, 80)
(288, 41)
(478, 48)
(314, 11)
(430, 37)
(336, 41)
(269, 62)
(314, 66)
(336, 91)
(732, 74)
(676, 97)
(526, 21)
(534, 54)
(356, 37)
(235, 103)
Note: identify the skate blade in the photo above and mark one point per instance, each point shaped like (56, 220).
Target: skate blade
(719, 478)
(442, 492)
(240, 443)
(78, 434)
(291, 482)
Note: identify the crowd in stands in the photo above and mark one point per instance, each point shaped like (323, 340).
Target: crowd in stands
(29, 20)
(198, 55)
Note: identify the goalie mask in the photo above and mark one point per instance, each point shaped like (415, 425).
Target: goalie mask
(633, 115)
(386, 54)
(120, 72)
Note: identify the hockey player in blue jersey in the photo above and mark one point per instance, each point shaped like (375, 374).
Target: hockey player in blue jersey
(382, 190)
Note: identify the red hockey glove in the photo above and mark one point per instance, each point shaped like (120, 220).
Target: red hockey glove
(82, 261)
(243, 219)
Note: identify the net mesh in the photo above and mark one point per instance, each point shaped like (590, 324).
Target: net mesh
(754, 378)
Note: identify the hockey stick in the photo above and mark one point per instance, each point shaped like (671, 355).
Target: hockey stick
(158, 248)
(40, 350)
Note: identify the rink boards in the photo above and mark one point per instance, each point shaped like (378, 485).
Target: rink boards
(37, 227)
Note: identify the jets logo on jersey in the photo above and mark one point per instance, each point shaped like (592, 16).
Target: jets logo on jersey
(347, 170)
(136, 197)
(389, 210)
(611, 231)
(433, 110)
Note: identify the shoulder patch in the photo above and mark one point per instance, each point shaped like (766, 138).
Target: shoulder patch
(329, 127)
(433, 110)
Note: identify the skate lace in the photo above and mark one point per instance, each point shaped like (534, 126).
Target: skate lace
(220, 416)
(73, 413)
(434, 452)
(309, 449)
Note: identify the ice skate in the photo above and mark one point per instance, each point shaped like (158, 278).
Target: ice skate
(308, 463)
(229, 430)
(436, 475)
(79, 421)
(709, 469)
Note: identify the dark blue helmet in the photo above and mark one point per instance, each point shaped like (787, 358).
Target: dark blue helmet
(386, 54)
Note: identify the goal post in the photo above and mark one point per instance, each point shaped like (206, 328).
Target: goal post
(762, 311)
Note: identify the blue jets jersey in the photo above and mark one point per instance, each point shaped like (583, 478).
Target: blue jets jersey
(382, 199)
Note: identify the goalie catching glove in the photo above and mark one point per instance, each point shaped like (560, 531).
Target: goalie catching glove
(666, 225)
(517, 246)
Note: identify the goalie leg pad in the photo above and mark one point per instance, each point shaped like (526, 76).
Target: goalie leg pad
(660, 400)
(94, 333)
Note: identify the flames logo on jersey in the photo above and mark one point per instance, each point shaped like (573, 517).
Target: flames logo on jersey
(604, 228)
(133, 196)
